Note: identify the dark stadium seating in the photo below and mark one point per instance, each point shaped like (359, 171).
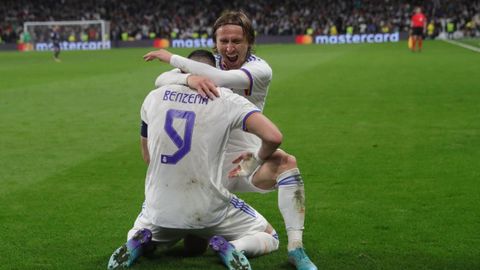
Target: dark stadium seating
(188, 18)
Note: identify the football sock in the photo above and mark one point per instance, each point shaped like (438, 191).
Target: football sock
(257, 244)
(291, 202)
(414, 43)
(420, 43)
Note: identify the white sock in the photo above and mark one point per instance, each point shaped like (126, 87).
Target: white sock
(257, 244)
(291, 202)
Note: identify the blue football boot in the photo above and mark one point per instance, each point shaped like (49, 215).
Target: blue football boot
(232, 258)
(300, 260)
(128, 253)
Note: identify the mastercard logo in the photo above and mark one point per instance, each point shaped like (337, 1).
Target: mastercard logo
(161, 43)
(303, 39)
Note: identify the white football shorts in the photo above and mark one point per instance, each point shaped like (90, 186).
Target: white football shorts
(241, 220)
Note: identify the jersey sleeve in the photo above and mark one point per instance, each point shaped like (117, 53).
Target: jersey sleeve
(236, 79)
(174, 76)
(259, 74)
(239, 109)
(145, 106)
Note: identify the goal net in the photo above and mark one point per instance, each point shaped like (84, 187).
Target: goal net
(74, 35)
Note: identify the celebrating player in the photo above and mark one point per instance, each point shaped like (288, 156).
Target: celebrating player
(239, 69)
(418, 26)
(186, 135)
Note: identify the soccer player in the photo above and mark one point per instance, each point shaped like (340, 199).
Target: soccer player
(418, 26)
(250, 76)
(184, 195)
(55, 38)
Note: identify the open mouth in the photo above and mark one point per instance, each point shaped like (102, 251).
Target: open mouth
(232, 59)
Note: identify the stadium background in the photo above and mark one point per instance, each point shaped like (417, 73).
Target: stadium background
(165, 20)
(388, 140)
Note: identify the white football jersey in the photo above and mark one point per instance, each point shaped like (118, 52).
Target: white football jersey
(260, 76)
(253, 77)
(187, 138)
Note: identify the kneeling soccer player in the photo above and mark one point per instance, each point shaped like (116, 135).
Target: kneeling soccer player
(186, 136)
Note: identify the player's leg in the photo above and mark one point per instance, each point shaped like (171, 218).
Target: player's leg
(56, 53)
(244, 232)
(414, 42)
(420, 42)
(281, 170)
(258, 243)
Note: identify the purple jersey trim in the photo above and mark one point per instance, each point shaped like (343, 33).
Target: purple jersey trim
(244, 124)
(252, 58)
(248, 92)
(219, 59)
(242, 206)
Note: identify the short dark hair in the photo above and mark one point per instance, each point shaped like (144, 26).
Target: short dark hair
(236, 18)
(203, 56)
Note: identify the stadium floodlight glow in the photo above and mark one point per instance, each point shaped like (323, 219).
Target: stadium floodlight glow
(74, 33)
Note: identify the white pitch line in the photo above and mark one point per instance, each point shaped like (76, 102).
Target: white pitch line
(475, 49)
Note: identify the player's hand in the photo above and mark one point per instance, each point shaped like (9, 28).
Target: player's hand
(247, 164)
(162, 55)
(204, 86)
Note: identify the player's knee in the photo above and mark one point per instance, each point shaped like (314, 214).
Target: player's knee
(287, 162)
(281, 162)
(274, 244)
(291, 161)
(273, 241)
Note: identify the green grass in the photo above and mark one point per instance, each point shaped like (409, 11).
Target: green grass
(475, 42)
(388, 142)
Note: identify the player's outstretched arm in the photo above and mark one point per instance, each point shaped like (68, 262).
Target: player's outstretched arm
(174, 76)
(162, 55)
(204, 86)
(235, 79)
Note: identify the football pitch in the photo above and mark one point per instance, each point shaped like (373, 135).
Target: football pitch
(388, 142)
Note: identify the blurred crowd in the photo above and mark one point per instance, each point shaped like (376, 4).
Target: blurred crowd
(142, 19)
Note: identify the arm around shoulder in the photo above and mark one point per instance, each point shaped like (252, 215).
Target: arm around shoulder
(225, 78)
